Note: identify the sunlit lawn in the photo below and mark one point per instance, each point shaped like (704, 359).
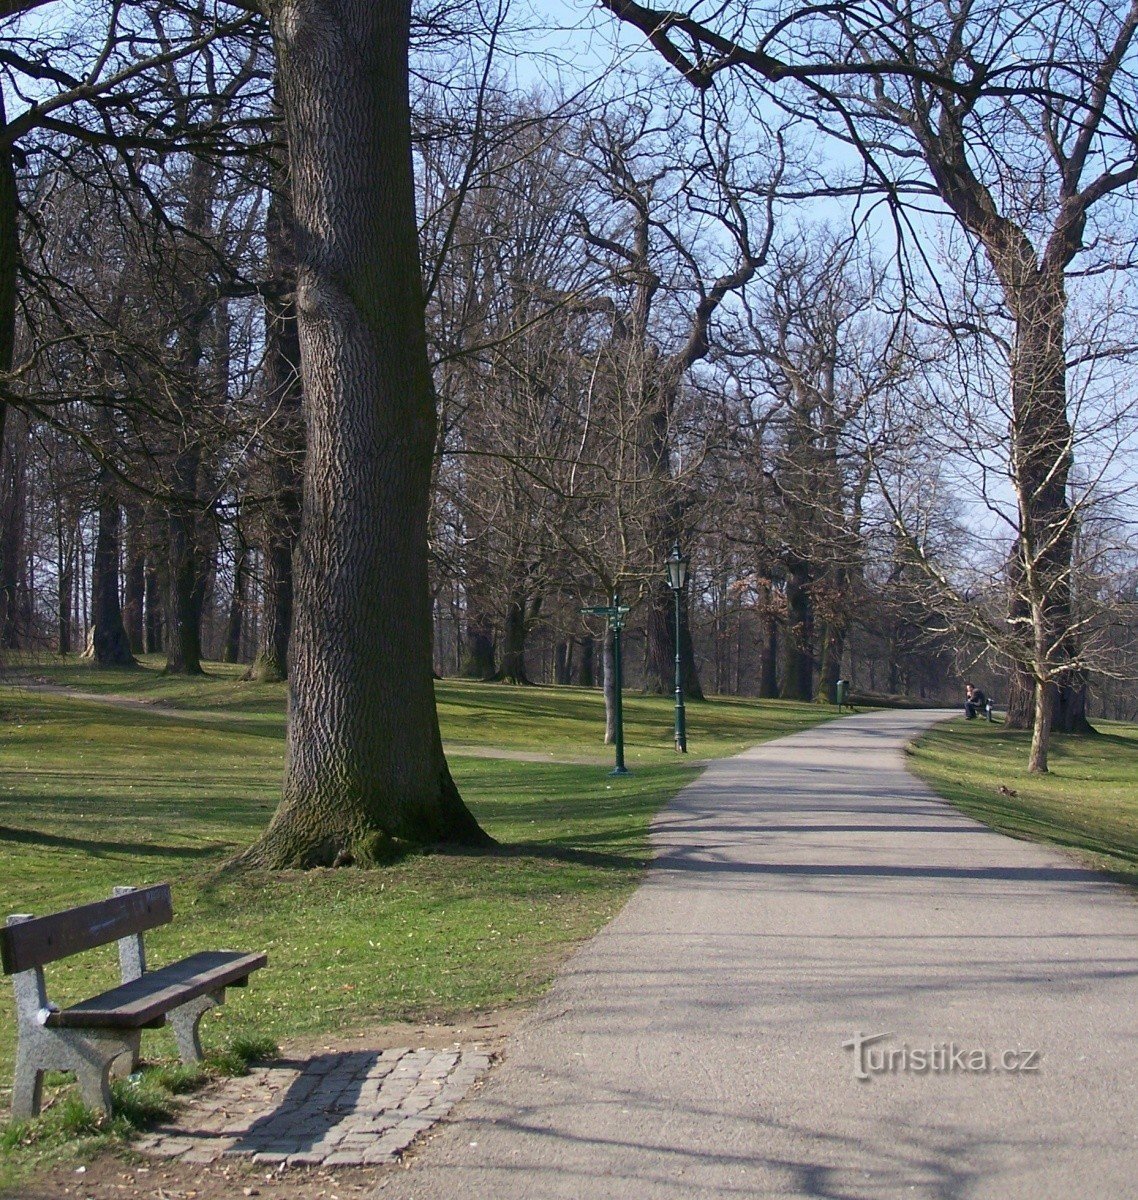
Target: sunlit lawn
(93, 795)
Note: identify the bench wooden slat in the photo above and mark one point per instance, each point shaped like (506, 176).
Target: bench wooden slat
(143, 1001)
(42, 940)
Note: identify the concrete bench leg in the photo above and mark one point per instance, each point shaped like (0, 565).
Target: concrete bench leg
(27, 1089)
(186, 1019)
(91, 1055)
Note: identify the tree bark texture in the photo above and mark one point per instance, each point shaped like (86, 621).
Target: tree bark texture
(365, 764)
(134, 583)
(111, 646)
(660, 660)
(1043, 456)
(235, 624)
(155, 627)
(13, 523)
(833, 645)
(586, 675)
(768, 650)
(609, 664)
(798, 641)
(185, 586)
(478, 661)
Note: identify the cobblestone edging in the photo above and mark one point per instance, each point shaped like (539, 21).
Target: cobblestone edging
(359, 1108)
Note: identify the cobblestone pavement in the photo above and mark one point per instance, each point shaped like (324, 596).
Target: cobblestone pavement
(357, 1108)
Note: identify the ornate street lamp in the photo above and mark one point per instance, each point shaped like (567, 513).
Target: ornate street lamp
(677, 565)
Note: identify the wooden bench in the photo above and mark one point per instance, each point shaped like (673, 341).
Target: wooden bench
(91, 1037)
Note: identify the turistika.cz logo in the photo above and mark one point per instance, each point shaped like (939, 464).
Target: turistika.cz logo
(871, 1058)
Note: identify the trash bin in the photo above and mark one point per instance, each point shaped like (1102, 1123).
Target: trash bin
(841, 693)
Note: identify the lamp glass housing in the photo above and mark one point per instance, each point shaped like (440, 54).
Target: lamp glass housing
(677, 564)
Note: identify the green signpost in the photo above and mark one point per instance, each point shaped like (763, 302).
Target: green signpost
(615, 614)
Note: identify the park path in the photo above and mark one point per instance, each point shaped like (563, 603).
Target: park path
(807, 891)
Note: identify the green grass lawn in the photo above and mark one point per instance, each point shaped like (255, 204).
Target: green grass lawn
(1087, 803)
(93, 795)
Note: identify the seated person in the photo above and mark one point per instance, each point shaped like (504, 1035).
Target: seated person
(974, 701)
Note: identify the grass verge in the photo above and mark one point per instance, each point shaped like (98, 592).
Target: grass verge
(94, 794)
(1087, 803)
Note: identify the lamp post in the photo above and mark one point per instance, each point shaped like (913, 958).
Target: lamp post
(677, 565)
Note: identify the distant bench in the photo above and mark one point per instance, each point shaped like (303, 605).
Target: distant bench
(90, 1037)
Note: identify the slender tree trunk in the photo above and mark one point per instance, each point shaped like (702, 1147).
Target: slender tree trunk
(365, 764)
(13, 532)
(283, 396)
(768, 660)
(154, 609)
(110, 644)
(135, 581)
(563, 662)
(235, 624)
(273, 633)
(184, 584)
(586, 675)
(9, 262)
(66, 575)
(1041, 729)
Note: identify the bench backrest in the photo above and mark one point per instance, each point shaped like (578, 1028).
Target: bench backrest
(41, 940)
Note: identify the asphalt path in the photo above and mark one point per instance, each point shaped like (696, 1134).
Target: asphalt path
(807, 893)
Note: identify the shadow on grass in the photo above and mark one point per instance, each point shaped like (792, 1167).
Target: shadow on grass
(34, 837)
(575, 855)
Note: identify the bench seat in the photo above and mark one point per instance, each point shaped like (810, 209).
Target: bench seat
(145, 1001)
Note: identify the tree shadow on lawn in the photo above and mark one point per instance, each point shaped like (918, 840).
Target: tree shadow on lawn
(550, 852)
(35, 837)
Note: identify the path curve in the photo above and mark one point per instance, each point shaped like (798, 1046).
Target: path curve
(807, 891)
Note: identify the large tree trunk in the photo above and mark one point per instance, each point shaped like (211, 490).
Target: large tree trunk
(110, 643)
(797, 643)
(768, 655)
(660, 644)
(1069, 714)
(833, 642)
(1043, 455)
(1021, 699)
(478, 660)
(520, 614)
(365, 764)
